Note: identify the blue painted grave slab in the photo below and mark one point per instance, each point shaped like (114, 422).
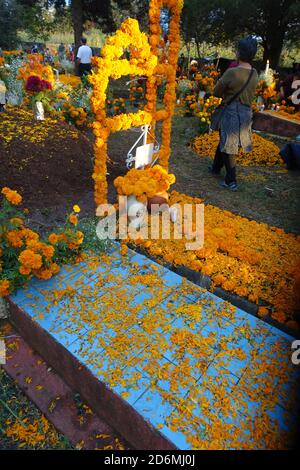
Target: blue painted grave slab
(128, 320)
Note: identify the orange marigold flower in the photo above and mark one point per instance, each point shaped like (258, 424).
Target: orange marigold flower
(53, 238)
(79, 257)
(4, 287)
(14, 239)
(54, 268)
(24, 270)
(80, 237)
(47, 250)
(43, 273)
(30, 259)
(228, 285)
(263, 312)
(30, 235)
(219, 279)
(72, 246)
(73, 219)
(279, 316)
(12, 196)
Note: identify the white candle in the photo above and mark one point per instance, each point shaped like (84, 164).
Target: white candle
(267, 67)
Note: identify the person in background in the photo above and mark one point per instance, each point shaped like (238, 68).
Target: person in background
(286, 89)
(181, 64)
(2, 96)
(236, 120)
(61, 51)
(84, 58)
(193, 69)
(34, 49)
(72, 52)
(48, 57)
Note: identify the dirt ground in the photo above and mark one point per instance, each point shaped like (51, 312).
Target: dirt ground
(48, 163)
(56, 173)
(266, 194)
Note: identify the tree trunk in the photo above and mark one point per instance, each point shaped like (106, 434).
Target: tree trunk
(77, 19)
(275, 53)
(276, 26)
(188, 47)
(272, 50)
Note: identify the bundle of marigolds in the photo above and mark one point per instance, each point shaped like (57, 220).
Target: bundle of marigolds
(190, 104)
(267, 92)
(23, 254)
(202, 108)
(33, 66)
(204, 111)
(74, 115)
(264, 152)
(145, 183)
(205, 82)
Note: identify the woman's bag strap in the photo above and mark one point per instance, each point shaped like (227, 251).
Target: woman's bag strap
(242, 89)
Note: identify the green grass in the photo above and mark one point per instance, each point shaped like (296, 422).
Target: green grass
(95, 37)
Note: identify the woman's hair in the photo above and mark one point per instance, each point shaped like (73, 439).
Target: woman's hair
(246, 49)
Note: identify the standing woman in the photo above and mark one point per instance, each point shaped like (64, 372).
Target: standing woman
(237, 88)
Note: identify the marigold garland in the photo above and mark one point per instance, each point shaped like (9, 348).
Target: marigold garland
(167, 68)
(110, 64)
(143, 61)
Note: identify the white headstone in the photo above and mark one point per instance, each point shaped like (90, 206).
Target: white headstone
(143, 155)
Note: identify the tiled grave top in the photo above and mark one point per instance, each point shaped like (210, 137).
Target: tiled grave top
(205, 374)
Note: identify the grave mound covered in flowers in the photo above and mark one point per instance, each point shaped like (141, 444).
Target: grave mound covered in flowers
(47, 161)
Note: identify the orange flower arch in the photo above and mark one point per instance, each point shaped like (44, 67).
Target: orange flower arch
(144, 60)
